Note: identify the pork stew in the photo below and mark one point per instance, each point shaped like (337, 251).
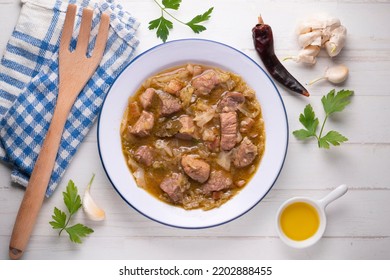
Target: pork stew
(193, 136)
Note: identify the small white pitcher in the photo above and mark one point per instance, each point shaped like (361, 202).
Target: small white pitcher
(319, 206)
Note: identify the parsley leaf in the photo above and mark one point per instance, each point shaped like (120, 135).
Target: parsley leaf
(60, 220)
(302, 134)
(332, 102)
(164, 25)
(171, 4)
(336, 103)
(71, 199)
(193, 24)
(77, 231)
(309, 121)
(332, 137)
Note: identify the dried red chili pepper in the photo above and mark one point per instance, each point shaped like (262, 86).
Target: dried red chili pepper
(264, 45)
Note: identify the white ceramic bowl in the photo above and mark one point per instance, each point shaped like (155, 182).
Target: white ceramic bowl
(179, 53)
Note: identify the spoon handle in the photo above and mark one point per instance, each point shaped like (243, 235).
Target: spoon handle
(335, 194)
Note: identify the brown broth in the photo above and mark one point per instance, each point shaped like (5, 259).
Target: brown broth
(164, 165)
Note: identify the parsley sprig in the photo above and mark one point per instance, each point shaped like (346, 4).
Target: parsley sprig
(333, 102)
(163, 25)
(60, 220)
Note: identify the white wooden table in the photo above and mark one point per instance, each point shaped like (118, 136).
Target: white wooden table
(358, 223)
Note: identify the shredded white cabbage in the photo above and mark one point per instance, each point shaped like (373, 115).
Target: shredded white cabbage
(243, 109)
(224, 160)
(139, 176)
(201, 118)
(162, 145)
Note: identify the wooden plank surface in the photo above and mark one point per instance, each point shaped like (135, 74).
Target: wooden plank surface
(358, 223)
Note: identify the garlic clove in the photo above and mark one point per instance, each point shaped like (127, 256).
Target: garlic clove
(303, 29)
(331, 23)
(308, 59)
(336, 41)
(317, 41)
(311, 50)
(307, 39)
(306, 55)
(335, 74)
(93, 211)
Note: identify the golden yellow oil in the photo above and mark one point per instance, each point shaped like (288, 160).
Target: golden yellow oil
(299, 221)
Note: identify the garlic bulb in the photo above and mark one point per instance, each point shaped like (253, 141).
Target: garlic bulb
(90, 207)
(320, 31)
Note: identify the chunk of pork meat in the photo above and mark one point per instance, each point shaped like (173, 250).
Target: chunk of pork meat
(244, 154)
(208, 80)
(229, 125)
(174, 186)
(230, 100)
(218, 181)
(170, 104)
(197, 169)
(188, 129)
(144, 125)
(144, 155)
(146, 97)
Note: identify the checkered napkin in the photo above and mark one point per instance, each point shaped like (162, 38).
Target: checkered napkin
(29, 82)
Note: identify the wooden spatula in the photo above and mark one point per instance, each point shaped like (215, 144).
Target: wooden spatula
(75, 69)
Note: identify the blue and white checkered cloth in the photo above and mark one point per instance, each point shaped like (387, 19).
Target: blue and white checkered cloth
(29, 82)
